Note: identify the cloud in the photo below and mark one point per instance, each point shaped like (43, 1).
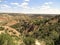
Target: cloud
(4, 6)
(42, 11)
(0, 0)
(27, 0)
(48, 3)
(46, 8)
(8, 9)
(24, 5)
(15, 4)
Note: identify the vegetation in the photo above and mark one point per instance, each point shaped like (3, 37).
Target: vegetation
(29, 41)
(1, 28)
(6, 39)
(30, 28)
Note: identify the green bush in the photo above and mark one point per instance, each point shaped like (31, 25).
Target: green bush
(29, 41)
(1, 28)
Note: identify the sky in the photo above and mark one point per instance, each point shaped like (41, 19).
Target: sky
(30, 6)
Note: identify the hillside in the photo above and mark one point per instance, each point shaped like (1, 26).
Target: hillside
(29, 29)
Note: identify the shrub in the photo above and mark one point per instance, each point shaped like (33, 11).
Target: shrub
(28, 40)
(6, 39)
